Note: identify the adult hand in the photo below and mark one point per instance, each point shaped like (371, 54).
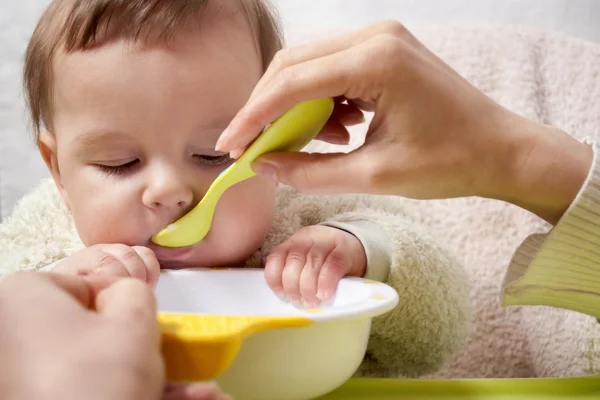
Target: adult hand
(55, 346)
(52, 346)
(433, 135)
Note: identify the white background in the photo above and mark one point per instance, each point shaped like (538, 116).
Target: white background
(20, 166)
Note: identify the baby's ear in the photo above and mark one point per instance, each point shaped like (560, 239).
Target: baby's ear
(48, 150)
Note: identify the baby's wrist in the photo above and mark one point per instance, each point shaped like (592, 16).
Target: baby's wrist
(359, 261)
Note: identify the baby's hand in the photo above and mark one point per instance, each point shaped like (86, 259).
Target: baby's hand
(307, 268)
(113, 261)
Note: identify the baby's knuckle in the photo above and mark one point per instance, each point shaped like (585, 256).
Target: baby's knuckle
(129, 254)
(273, 278)
(117, 247)
(144, 251)
(108, 260)
(336, 263)
(307, 289)
(314, 260)
(295, 257)
(276, 254)
(146, 254)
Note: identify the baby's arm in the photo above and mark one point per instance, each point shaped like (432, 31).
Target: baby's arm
(38, 232)
(430, 322)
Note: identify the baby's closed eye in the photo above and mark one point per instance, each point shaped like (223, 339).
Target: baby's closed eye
(214, 160)
(118, 167)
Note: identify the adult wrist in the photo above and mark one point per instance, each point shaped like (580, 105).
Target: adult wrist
(548, 171)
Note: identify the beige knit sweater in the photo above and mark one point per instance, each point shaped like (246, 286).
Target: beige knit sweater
(417, 337)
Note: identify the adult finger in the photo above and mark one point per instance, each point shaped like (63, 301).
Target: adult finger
(322, 48)
(129, 300)
(316, 173)
(329, 76)
(48, 284)
(334, 131)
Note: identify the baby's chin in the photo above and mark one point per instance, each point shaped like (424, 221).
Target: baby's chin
(201, 255)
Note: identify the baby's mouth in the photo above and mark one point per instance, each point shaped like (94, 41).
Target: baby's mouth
(172, 257)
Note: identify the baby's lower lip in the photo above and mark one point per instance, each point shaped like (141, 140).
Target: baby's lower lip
(173, 255)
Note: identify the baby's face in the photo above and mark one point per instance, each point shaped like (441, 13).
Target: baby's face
(132, 147)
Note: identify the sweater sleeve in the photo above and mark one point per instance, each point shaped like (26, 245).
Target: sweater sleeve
(39, 232)
(430, 322)
(562, 267)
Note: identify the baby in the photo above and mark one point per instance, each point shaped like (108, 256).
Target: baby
(127, 101)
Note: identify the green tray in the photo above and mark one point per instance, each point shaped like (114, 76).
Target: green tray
(587, 388)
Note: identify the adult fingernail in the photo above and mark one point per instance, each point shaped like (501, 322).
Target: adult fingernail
(266, 170)
(222, 140)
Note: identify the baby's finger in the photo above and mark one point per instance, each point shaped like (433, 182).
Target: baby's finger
(130, 259)
(274, 270)
(109, 264)
(334, 268)
(309, 278)
(151, 263)
(81, 263)
(294, 264)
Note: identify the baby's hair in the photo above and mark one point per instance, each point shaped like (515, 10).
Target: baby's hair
(79, 25)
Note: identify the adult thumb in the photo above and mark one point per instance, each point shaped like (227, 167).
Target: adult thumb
(130, 300)
(317, 173)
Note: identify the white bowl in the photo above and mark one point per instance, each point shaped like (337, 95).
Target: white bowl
(281, 364)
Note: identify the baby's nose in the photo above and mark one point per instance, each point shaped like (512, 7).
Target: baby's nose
(170, 194)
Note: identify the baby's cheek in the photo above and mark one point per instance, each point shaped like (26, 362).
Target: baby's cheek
(244, 214)
(102, 222)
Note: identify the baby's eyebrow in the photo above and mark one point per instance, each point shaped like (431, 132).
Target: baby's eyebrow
(93, 137)
(86, 141)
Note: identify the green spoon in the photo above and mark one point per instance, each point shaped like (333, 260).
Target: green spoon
(290, 132)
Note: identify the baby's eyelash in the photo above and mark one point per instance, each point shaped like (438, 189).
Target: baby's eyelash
(113, 170)
(215, 160)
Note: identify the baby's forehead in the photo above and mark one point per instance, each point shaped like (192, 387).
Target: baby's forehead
(68, 28)
(206, 77)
